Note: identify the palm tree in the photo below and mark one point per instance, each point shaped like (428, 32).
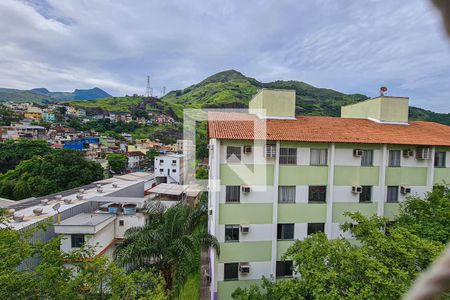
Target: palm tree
(170, 242)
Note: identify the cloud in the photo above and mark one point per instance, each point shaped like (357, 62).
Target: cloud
(351, 46)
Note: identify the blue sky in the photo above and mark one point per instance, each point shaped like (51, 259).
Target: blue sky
(351, 46)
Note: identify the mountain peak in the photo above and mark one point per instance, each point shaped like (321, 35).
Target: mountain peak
(42, 91)
(228, 75)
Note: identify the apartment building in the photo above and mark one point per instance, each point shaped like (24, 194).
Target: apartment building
(169, 168)
(275, 177)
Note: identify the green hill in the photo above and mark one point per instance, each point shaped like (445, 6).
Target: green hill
(233, 89)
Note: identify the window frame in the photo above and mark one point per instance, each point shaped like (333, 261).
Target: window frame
(288, 158)
(442, 159)
(233, 228)
(228, 195)
(366, 189)
(292, 187)
(363, 156)
(310, 193)
(232, 268)
(319, 150)
(391, 159)
(282, 266)
(313, 227)
(390, 194)
(74, 243)
(229, 152)
(281, 231)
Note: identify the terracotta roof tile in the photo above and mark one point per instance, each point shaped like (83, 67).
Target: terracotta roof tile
(241, 126)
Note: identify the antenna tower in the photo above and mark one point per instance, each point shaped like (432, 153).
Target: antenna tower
(148, 90)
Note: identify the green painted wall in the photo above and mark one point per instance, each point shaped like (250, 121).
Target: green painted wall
(389, 109)
(442, 175)
(226, 288)
(277, 103)
(366, 209)
(245, 213)
(348, 176)
(282, 247)
(391, 210)
(240, 174)
(302, 212)
(245, 251)
(303, 175)
(413, 176)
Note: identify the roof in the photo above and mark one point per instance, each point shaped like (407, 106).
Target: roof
(85, 219)
(135, 153)
(168, 189)
(243, 126)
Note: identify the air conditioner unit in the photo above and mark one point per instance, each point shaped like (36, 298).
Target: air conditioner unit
(247, 149)
(270, 151)
(408, 153)
(245, 228)
(357, 189)
(405, 190)
(246, 189)
(244, 267)
(424, 153)
(357, 152)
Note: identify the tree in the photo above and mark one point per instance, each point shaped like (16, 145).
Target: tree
(118, 162)
(151, 154)
(13, 152)
(382, 266)
(90, 277)
(7, 116)
(170, 243)
(429, 217)
(42, 175)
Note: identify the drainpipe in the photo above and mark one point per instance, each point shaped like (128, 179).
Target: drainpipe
(330, 192)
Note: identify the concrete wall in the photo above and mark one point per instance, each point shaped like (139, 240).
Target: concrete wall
(135, 190)
(384, 109)
(276, 103)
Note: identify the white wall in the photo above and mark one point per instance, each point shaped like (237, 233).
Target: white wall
(165, 168)
(258, 194)
(137, 220)
(344, 157)
(256, 157)
(257, 232)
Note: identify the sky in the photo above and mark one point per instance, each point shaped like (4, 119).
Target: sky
(351, 46)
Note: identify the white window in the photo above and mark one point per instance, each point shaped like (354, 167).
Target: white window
(439, 159)
(288, 156)
(233, 153)
(394, 158)
(286, 194)
(319, 157)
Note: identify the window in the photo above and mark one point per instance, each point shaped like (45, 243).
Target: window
(233, 193)
(288, 156)
(285, 231)
(317, 193)
(121, 222)
(231, 271)
(366, 194)
(394, 158)
(284, 268)
(174, 161)
(270, 150)
(232, 233)
(439, 159)
(77, 240)
(315, 228)
(161, 170)
(174, 171)
(318, 157)
(392, 194)
(234, 152)
(367, 158)
(286, 194)
(161, 161)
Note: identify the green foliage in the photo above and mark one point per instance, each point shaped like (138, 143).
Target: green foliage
(430, 217)
(13, 152)
(117, 162)
(202, 173)
(41, 175)
(151, 154)
(382, 266)
(114, 104)
(90, 278)
(170, 243)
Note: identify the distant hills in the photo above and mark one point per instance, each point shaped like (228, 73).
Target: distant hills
(42, 95)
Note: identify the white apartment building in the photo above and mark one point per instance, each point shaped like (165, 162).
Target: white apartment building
(169, 168)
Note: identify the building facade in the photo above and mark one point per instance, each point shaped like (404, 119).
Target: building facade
(169, 168)
(275, 178)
